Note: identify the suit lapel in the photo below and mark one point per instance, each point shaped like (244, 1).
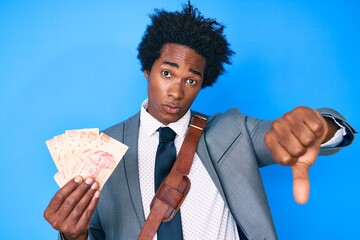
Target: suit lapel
(131, 133)
(203, 153)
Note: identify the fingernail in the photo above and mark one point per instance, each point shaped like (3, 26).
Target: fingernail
(89, 181)
(78, 179)
(97, 194)
(95, 185)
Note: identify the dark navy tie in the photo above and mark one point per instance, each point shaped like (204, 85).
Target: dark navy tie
(165, 158)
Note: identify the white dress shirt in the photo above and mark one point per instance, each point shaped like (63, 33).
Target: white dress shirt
(204, 214)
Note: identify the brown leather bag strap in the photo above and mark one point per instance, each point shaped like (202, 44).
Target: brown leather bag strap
(172, 192)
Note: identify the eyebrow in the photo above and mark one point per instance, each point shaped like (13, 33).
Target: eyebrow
(172, 64)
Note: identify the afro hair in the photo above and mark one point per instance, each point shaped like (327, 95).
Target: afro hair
(188, 28)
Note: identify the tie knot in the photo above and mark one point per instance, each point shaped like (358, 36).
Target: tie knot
(166, 134)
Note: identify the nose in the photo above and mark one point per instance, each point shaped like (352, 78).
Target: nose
(176, 90)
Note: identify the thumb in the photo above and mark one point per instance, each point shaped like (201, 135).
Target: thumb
(301, 182)
(300, 171)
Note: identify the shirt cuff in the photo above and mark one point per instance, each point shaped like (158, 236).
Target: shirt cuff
(337, 138)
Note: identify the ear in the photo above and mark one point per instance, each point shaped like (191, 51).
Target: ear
(146, 74)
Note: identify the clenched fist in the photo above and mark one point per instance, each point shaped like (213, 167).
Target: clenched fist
(294, 139)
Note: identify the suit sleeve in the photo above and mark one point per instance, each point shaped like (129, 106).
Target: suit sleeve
(257, 129)
(350, 131)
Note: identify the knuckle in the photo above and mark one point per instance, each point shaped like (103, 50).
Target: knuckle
(298, 151)
(285, 159)
(70, 201)
(276, 124)
(88, 214)
(56, 220)
(308, 141)
(46, 215)
(317, 126)
(79, 208)
(300, 109)
(267, 138)
(288, 115)
(59, 196)
(66, 229)
(56, 225)
(52, 207)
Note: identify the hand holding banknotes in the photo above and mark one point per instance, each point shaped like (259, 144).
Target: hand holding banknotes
(71, 208)
(85, 160)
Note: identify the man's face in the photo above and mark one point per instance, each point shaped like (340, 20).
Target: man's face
(174, 82)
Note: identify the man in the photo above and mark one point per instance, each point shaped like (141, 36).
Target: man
(181, 53)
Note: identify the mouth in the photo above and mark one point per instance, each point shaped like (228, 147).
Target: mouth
(171, 108)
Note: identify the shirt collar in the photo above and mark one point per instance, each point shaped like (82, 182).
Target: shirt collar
(150, 125)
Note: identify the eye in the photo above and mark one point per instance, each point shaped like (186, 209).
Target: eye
(191, 81)
(166, 74)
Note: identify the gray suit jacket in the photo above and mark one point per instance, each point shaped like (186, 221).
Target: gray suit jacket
(231, 149)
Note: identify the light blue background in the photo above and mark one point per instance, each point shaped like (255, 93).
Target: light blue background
(72, 64)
